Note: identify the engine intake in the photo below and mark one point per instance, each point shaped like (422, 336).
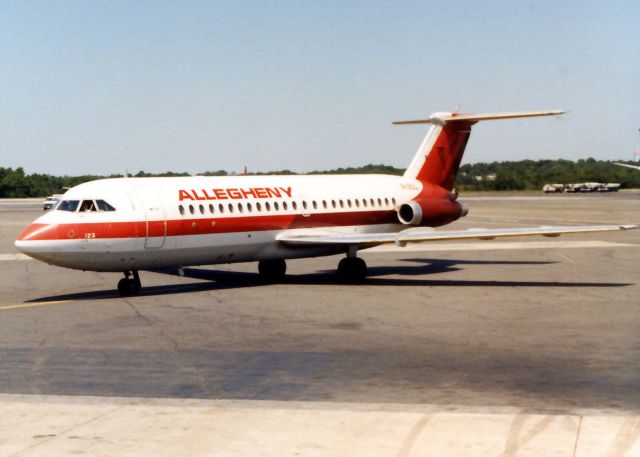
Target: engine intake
(431, 212)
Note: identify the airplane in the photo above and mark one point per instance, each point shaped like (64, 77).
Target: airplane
(635, 167)
(132, 224)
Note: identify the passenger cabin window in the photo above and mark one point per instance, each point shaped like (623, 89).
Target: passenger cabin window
(181, 209)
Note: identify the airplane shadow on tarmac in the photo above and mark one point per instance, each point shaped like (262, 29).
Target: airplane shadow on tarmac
(377, 276)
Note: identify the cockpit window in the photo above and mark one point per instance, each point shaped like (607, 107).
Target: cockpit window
(84, 205)
(68, 205)
(104, 206)
(88, 205)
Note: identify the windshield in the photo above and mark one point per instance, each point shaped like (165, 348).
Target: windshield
(68, 205)
(84, 205)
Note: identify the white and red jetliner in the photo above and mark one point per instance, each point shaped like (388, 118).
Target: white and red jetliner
(131, 224)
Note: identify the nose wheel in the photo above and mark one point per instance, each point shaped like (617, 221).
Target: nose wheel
(130, 284)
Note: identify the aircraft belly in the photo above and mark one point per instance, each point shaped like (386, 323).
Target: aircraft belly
(122, 254)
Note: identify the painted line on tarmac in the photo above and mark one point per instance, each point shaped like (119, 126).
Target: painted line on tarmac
(501, 246)
(33, 305)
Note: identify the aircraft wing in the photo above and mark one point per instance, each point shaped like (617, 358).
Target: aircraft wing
(319, 237)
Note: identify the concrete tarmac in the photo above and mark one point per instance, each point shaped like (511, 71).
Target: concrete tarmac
(526, 347)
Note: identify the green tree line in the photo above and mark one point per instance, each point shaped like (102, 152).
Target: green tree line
(516, 175)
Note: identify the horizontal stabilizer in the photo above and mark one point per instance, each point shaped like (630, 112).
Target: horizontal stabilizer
(324, 237)
(441, 118)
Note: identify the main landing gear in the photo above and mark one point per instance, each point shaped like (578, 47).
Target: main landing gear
(130, 284)
(272, 269)
(352, 269)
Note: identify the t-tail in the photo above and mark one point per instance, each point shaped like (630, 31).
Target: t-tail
(438, 158)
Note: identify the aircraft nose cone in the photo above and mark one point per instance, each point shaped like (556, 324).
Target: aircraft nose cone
(35, 240)
(37, 231)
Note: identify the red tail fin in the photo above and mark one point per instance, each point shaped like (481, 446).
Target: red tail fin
(438, 159)
(443, 160)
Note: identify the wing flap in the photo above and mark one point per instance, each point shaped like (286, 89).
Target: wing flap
(414, 235)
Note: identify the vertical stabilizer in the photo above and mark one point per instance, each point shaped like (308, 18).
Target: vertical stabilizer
(438, 158)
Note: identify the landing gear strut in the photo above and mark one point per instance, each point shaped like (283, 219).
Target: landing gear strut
(352, 269)
(272, 269)
(130, 284)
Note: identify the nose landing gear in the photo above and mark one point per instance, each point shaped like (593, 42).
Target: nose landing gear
(130, 284)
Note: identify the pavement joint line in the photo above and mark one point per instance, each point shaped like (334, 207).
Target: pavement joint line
(417, 408)
(32, 305)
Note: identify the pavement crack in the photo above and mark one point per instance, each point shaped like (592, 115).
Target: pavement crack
(575, 445)
(49, 438)
(182, 358)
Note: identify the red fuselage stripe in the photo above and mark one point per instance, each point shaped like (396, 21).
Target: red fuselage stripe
(202, 226)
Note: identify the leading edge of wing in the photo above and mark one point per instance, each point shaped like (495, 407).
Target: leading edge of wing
(412, 235)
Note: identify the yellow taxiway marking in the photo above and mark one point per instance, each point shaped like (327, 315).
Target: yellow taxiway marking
(31, 305)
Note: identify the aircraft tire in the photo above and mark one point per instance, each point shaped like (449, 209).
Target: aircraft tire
(128, 287)
(352, 269)
(272, 269)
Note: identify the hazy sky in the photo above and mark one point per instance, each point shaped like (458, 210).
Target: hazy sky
(103, 86)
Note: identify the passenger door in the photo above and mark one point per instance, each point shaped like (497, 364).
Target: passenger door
(155, 219)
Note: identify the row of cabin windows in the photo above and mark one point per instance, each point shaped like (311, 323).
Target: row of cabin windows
(268, 206)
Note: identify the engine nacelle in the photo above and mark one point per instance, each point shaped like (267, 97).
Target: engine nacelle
(431, 212)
